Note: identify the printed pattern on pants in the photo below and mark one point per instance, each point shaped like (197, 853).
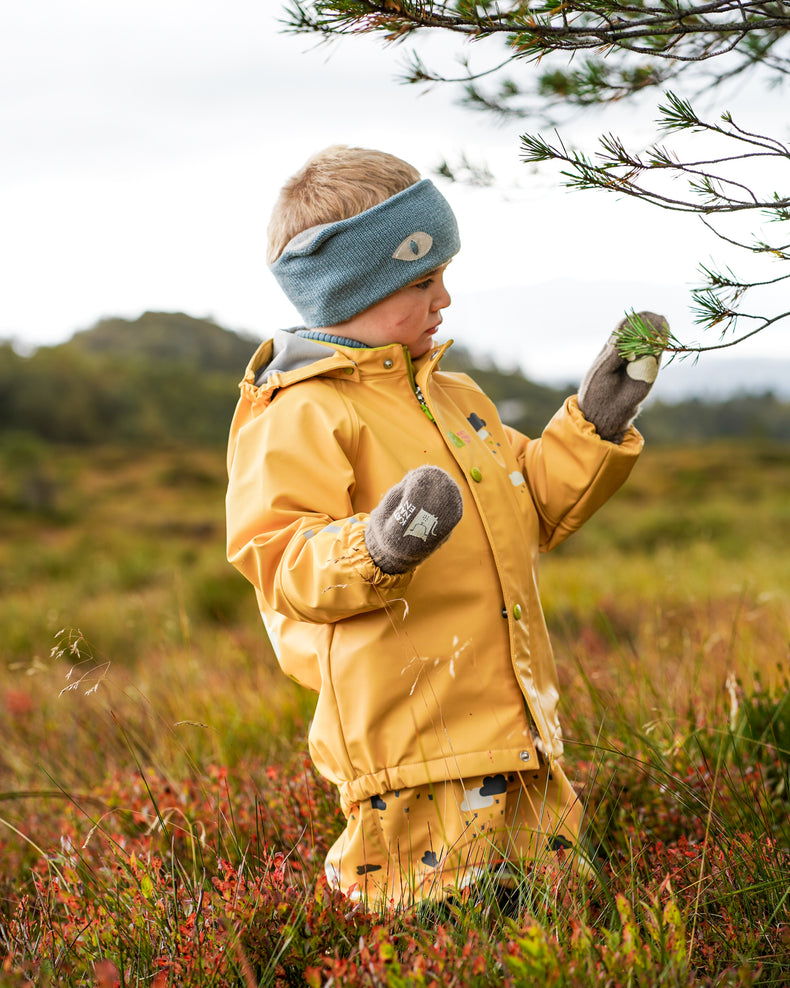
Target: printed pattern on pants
(423, 843)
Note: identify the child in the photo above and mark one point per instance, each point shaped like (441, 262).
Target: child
(391, 527)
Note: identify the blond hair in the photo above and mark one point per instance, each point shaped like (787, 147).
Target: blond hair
(335, 184)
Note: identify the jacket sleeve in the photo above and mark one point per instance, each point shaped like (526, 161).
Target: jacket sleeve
(291, 526)
(570, 471)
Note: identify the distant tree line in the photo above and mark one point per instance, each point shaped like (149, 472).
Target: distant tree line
(68, 397)
(163, 378)
(169, 379)
(528, 407)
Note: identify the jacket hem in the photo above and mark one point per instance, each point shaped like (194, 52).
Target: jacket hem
(459, 767)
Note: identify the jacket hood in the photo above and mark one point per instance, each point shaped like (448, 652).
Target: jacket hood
(287, 359)
(288, 353)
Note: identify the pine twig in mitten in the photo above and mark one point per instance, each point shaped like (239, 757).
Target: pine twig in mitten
(413, 519)
(615, 386)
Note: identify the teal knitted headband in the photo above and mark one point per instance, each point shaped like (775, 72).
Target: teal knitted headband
(334, 271)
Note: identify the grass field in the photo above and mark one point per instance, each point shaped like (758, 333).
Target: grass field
(160, 825)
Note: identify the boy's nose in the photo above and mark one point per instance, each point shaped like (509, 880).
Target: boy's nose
(442, 300)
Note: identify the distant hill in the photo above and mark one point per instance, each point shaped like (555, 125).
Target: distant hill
(168, 378)
(160, 379)
(169, 336)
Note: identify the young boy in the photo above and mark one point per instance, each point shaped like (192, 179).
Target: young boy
(391, 526)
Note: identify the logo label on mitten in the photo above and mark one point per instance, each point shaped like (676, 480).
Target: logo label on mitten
(423, 525)
(404, 512)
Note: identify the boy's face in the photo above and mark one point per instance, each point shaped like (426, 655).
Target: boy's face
(411, 316)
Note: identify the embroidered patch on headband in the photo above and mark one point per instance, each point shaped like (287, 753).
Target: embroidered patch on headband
(333, 271)
(415, 246)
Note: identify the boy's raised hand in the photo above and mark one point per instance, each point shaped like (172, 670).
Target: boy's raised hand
(413, 519)
(615, 386)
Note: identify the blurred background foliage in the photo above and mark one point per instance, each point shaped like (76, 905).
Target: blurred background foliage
(169, 379)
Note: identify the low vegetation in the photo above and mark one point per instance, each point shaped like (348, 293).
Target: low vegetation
(160, 824)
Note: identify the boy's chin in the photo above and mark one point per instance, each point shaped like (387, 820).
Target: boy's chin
(420, 349)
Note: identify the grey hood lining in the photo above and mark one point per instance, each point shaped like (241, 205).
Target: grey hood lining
(289, 353)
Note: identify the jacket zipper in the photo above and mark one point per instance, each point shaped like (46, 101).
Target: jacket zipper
(416, 388)
(421, 400)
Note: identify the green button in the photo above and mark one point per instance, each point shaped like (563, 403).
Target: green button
(517, 611)
(349, 370)
(475, 474)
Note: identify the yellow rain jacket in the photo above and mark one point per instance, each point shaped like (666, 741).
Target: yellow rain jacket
(439, 673)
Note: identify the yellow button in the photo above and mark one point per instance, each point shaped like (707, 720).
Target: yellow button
(475, 474)
(349, 370)
(517, 611)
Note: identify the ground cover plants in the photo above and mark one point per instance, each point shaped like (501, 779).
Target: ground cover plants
(160, 825)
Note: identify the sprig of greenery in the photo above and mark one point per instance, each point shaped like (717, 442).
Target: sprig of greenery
(637, 338)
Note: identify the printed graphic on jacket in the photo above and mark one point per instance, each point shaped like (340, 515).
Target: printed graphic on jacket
(461, 438)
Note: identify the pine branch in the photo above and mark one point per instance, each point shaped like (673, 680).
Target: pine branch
(636, 338)
(620, 47)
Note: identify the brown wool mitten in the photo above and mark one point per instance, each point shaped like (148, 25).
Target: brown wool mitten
(614, 387)
(413, 519)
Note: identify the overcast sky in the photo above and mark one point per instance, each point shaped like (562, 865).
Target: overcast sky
(143, 144)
